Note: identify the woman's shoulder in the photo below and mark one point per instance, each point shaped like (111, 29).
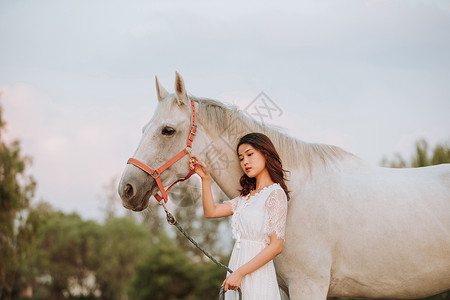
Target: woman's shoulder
(276, 187)
(276, 191)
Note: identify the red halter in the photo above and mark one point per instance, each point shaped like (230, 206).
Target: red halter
(155, 173)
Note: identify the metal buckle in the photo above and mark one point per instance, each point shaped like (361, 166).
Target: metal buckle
(192, 128)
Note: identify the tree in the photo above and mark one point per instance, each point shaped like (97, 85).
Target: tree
(168, 273)
(65, 253)
(29, 272)
(123, 244)
(423, 156)
(75, 258)
(16, 190)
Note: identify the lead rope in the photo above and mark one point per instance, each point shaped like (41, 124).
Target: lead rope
(172, 221)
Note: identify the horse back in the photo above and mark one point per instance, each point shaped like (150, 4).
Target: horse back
(390, 230)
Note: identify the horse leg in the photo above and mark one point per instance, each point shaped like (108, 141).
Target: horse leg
(309, 288)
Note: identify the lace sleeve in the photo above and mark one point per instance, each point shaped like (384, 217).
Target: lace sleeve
(234, 203)
(275, 214)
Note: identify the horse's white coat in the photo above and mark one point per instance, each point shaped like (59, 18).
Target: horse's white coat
(352, 229)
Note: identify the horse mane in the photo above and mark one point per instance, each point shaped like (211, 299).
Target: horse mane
(294, 152)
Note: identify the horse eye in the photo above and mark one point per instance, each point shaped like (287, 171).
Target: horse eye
(167, 131)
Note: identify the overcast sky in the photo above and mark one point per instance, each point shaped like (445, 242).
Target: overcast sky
(77, 77)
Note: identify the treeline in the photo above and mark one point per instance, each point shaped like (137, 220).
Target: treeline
(62, 256)
(423, 156)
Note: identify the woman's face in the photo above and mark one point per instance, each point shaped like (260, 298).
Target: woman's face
(252, 161)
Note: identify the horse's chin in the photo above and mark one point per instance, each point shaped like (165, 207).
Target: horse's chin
(138, 205)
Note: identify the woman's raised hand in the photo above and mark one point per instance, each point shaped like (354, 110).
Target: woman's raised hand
(199, 167)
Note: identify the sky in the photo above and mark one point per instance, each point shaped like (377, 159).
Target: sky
(77, 78)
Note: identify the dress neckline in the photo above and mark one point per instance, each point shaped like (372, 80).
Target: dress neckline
(256, 194)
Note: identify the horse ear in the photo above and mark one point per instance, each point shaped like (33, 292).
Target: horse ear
(180, 90)
(162, 93)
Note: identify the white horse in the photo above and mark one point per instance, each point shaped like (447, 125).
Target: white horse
(353, 229)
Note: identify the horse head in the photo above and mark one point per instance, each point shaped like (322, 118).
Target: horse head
(162, 138)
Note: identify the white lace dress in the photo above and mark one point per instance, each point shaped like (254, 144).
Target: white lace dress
(254, 219)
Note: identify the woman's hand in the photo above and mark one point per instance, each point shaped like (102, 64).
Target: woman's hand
(233, 281)
(199, 167)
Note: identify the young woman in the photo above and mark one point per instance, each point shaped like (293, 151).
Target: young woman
(259, 217)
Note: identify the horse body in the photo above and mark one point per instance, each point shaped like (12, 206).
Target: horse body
(352, 229)
(358, 230)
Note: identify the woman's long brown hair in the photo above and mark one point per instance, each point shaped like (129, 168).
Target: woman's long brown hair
(263, 144)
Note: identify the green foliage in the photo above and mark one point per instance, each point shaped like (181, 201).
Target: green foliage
(65, 249)
(16, 190)
(423, 157)
(71, 258)
(122, 244)
(441, 155)
(168, 273)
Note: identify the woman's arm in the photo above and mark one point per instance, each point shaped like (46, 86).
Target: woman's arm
(275, 247)
(210, 209)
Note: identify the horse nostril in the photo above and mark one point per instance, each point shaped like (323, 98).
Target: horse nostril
(129, 191)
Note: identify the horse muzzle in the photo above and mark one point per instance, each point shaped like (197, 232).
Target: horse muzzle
(135, 193)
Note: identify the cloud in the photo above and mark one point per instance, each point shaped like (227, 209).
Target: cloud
(24, 108)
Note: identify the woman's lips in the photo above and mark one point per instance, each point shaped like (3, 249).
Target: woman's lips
(247, 169)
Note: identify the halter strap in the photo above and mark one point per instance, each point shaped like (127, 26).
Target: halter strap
(155, 173)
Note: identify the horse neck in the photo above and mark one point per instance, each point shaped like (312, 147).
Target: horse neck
(218, 148)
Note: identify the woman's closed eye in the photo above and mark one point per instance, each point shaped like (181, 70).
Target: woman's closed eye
(241, 158)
